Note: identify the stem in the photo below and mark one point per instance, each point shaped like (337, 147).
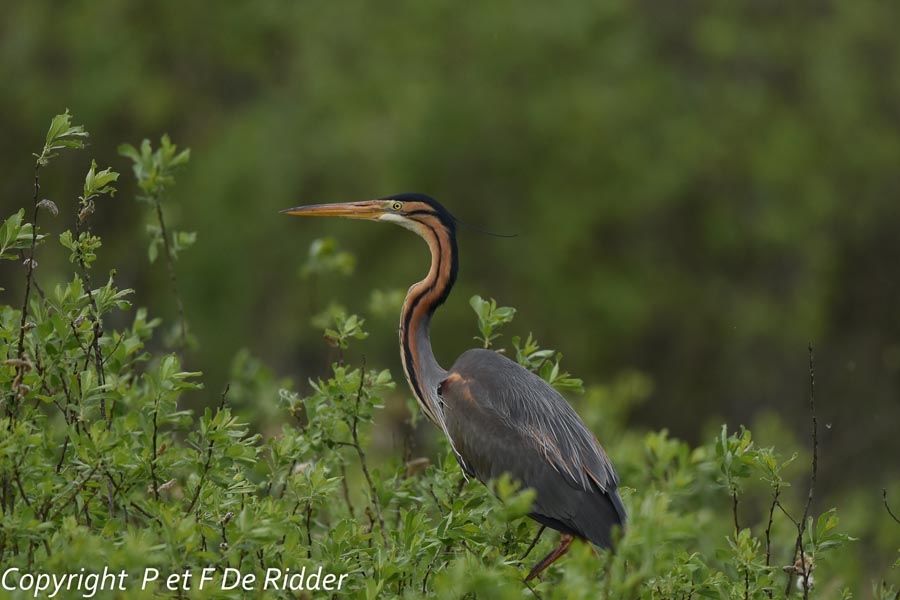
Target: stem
(801, 524)
(534, 542)
(29, 277)
(95, 346)
(346, 490)
(171, 268)
(153, 452)
(5, 483)
(734, 511)
(62, 454)
(209, 453)
(77, 489)
(887, 507)
(769, 531)
(372, 490)
(362, 455)
(97, 322)
(309, 530)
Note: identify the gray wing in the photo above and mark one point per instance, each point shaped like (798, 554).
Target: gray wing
(503, 418)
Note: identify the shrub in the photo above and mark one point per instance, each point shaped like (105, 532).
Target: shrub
(102, 471)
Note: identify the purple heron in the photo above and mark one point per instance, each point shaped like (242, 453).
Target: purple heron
(498, 416)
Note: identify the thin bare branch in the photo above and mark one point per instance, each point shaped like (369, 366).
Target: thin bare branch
(153, 451)
(170, 265)
(29, 278)
(801, 524)
(362, 456)
(887, 506)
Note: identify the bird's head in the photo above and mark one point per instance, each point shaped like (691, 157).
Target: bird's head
(412, 211)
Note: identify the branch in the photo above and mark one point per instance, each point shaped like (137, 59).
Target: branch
(77, 489)
(769, 530)
(801, 525)
(29, 277)
(534, 542)
(887, 507)
(153, 452)
(346, 490)
(97, 322)
(98, 354)
(171, 268)
(209, 453)
(362, 455)
(734, 511)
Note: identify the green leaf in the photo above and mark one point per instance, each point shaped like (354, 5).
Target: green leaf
(97, 183)
(62, 134)
(15, 235)
(490, 318)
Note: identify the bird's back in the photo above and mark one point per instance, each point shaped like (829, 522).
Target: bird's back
(503, 418)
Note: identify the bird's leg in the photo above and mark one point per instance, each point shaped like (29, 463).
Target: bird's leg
(534, 542)
(565, 540)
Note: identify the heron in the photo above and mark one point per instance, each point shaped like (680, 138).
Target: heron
(498, 416)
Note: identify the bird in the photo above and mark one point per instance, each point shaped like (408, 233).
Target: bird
(498, 416)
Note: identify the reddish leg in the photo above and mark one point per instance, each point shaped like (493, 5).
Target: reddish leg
(565, 540)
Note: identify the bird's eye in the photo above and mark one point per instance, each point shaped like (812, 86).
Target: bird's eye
(397, 205)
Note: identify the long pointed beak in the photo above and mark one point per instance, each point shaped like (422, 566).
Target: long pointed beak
(369, 209)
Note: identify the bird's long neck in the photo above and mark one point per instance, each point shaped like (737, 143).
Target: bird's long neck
(422, 369)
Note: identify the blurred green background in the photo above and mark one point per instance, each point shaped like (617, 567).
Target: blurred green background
(699, 189)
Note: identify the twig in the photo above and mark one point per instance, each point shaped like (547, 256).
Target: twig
(734, 512)
(77, 489)
(144, 512)
(21, 487)
(309, 530)
(209, 453)
(346, 490)
(362, 455)
(96, 320)
(769, 531)
(887, 507)
(534, 542)
(170, 265)
(153, 451)
(437, 502)
(29, 276)
(533, 591)
(801, 525)
(62, 454)
(425, 579)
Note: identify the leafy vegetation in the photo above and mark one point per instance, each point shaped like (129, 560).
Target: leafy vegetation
(698, 191)
(101, 464)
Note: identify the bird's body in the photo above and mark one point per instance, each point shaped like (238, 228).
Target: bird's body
(498, 416)
(507, 430)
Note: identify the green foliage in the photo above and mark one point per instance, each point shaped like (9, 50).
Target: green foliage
(340, 327)
(736, 455)
(325, 256)
(102, 464)
(699, 189)
(490, 318)
(98, 183)
(545, 362)
(62, 134)
(181, 240)
(386, 302)
(155, 170)
(15, 235)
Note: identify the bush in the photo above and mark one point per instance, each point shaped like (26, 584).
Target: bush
(103, 473)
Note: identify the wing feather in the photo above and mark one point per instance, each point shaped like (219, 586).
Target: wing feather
(503, 418)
